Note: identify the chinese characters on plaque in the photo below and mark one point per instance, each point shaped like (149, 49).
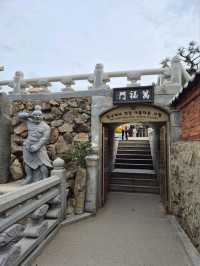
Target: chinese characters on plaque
(143, 94)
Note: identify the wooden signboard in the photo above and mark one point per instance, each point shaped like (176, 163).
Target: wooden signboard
(136, 113)
(128, 95)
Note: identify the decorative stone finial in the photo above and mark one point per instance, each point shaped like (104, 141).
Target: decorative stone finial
(58, 163)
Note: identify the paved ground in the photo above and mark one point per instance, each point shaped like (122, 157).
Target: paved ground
(131, 230)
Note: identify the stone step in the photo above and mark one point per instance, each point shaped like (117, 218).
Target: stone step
(134, 148)
(139, 189)
(133, 155)
(132, 151)
(133, 145)
(133, 160)
(134, 141)
(133, 166)
(133, 181)
(133, 173)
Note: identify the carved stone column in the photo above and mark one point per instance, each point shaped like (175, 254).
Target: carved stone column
(92, 162)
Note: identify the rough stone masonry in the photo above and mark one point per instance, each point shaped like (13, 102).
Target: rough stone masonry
(184, 187)
(69, 120)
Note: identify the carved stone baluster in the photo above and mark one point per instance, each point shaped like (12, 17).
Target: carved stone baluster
(68, 83)
(9, 250)
(40, 86)
(37, 224)
(91, 81)
(18, 83)
(133, 77)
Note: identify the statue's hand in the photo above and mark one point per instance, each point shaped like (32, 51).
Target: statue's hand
(34, 148)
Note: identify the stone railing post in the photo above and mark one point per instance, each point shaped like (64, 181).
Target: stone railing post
(98, 79)
(59, 171)
(92, 163)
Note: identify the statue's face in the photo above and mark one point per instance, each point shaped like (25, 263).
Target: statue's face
(37, 118)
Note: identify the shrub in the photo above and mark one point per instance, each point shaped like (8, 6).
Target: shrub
(78, 153)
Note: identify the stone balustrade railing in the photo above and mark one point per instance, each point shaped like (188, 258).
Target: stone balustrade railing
(173, 74)
(31, 215)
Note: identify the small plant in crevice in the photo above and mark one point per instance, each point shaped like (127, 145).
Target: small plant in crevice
(78, 153)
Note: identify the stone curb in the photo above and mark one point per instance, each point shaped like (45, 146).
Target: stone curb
(76, 218)
(190, 249)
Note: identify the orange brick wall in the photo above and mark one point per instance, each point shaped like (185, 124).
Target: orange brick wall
(190, 111)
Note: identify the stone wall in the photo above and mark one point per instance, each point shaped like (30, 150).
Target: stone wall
(69, 119)
(185, 187)
(189, 106)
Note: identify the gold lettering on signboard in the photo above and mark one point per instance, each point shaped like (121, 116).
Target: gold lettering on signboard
(134, 114)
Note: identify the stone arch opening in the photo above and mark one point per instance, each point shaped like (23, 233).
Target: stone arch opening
(140, 164)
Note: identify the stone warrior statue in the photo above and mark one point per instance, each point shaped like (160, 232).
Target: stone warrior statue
(35, 155)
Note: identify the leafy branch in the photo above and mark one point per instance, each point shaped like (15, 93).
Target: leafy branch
(190, 56)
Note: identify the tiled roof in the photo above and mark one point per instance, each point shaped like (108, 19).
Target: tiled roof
(191, 84)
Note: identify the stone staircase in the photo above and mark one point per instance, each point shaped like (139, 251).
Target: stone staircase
(133, 169)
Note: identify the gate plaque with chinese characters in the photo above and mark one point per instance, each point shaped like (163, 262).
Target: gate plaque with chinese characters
(128, 95)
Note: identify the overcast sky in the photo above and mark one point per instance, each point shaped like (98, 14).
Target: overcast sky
(49, 37)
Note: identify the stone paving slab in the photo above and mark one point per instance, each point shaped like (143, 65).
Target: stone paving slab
(131, 230)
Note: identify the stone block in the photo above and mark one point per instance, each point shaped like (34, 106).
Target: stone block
(57, 123)
(21, 129)
(66, 128)
(16, 170)
(54, 135)
(81, 137)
